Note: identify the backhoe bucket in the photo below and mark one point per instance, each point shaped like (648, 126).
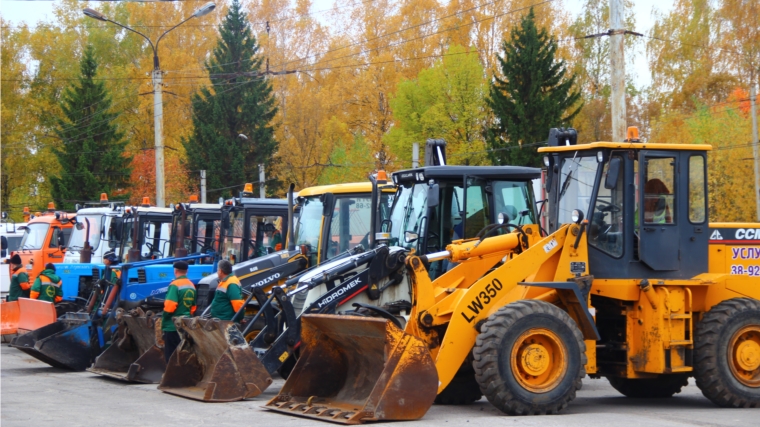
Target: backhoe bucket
(134, 355)
(66, 343)
(213, 363)
(357, 369)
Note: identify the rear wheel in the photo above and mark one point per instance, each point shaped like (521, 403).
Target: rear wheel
(660, 387)
(727, 353)
(529, 357)
(463, 389)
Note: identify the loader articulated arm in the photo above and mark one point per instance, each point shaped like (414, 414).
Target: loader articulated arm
(460, 307)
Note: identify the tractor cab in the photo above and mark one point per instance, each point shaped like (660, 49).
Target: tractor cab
(644, 205)
(436, 205)
(146, 233)
(196, 228)
(253, 226)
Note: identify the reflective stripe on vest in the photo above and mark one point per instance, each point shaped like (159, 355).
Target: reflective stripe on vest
(49, 282)
(183, 284)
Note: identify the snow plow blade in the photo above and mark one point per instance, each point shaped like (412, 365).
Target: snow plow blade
(357, 369)
(66, 343)
(134, 355)
(213, 363)
(24, 315)
(9, 312)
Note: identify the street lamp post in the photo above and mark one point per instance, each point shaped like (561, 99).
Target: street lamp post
(158, 111)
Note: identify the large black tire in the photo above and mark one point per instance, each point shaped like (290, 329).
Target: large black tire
(463, 389)
(714, 362)
(656, 388)
(504, 333)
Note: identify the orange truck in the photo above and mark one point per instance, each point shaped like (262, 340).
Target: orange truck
(44, 240)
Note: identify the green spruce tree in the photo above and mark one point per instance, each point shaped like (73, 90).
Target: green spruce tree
(531, 95)
(235, 104)
(91, 152)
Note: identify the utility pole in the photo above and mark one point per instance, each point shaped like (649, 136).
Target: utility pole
(617, 74)
(415, 155)
(158, 106)
(262, 188)
(203, 186)
(158, 125)
(753, 102)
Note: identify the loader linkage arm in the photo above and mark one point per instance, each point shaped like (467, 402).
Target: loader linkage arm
(465, 296)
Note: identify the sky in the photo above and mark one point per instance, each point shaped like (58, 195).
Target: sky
(33, 11)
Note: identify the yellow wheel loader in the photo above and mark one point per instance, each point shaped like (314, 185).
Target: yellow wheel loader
(632, 284)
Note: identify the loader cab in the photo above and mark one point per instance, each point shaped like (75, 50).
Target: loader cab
(440, 204)
(254, 227)
(645, 205)
(335, 218)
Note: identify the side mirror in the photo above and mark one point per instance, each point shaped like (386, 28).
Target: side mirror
(327, 200)
(612, 173)
(549, 163)
(410, 236)
(3, 242)
(61, 240)
(432, 196)
(79, 226)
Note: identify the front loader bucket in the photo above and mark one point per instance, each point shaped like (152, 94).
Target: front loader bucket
(66, 343)
(213, 363)
(134, 355)
(357, 369)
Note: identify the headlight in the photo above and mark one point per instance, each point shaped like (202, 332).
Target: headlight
(501, 218)
(576, 216)
(395, 179)
(547, 162)
(420, 176)
(600, 156)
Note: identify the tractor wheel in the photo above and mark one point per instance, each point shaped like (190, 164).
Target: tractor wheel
(463, 388)
(529, 357)
(655, 388)
(727, 353)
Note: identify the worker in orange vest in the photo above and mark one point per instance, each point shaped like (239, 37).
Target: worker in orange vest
(47, 286)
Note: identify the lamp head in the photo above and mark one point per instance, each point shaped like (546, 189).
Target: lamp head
(92, 13)
(204, 10)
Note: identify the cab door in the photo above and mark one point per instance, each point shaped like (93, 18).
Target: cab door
(657, 212)
(54, 249)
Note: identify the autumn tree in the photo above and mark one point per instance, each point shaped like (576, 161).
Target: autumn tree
(239, 102)
(91, 154)
(445, 101)
(531, 95)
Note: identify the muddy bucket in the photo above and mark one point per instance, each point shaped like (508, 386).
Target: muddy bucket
(67, 343)
(357, 369)
(134, 355)
(213, 363)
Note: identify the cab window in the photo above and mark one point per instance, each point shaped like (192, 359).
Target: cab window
(605, 229)
(659, 191)
(350, 225)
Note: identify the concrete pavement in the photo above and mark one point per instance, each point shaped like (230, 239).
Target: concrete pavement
(32, 394)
